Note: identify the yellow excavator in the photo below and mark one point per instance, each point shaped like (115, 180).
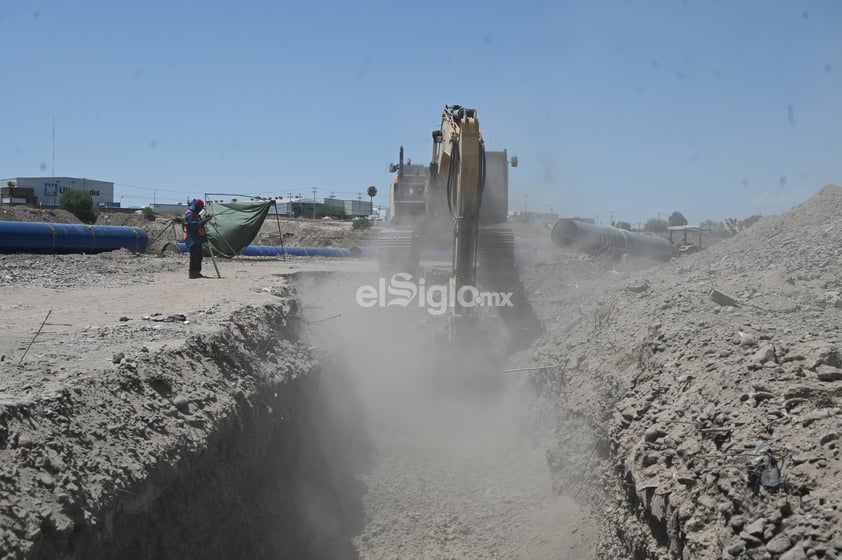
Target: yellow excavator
(455, 205)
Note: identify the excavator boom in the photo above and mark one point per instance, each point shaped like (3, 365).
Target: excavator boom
(459, 159)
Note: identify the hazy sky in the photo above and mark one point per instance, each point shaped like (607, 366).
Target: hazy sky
(715, 108)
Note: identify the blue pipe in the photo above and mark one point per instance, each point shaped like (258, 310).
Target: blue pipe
(274, 251)
(42, 238)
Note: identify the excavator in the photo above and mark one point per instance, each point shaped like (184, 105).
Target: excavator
(455, 205)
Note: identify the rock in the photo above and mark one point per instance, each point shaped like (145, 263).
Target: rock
(798, 392)
(722, 299)
(629, 413)
(828, 373)
(765, 354)
(828, 437)
(694, 524)
(779, 544)
(45, 479)
(181, 403)
(756, 528)
(118, 357)
(685, 478)
(61, 523)
(659, 506)
(736, 548)
(737, 522)
(795, 553)
(638, 288)
(824, 354)
(653, 434)
(803, 458)
(751, 541)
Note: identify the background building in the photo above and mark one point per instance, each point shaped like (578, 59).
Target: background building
(334, 207)
(47, 191)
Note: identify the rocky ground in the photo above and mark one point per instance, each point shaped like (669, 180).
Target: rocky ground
(684, 410)
(710, 387)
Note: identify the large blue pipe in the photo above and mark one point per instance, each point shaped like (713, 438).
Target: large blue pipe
(274, 251)
(42, 238)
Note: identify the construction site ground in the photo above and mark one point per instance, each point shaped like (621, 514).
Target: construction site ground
(688, 409)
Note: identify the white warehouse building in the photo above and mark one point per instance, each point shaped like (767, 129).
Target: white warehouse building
(48, 190)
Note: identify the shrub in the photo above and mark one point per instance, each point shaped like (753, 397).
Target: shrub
(80, 204)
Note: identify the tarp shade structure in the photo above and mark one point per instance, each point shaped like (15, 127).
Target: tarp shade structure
(234, 225)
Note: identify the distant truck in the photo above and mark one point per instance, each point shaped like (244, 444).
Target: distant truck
(686, 240)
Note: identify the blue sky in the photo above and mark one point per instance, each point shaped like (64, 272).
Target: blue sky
(631, 107)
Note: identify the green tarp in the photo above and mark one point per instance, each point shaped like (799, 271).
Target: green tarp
(234, 225)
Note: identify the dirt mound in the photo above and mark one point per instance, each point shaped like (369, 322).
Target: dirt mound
(26, 214)
(718, 425)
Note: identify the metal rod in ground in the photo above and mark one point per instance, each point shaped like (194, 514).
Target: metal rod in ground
(31, 342)
(530, 368)
(216, 268)
(280, 233)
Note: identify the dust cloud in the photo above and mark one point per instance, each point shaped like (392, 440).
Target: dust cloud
(437, 452)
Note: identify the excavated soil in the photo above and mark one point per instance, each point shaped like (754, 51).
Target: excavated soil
(622, 410)
(710, 390)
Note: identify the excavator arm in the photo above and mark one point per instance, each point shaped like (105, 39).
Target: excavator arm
(458, 171)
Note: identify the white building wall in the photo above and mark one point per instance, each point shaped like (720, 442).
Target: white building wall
(49, 189)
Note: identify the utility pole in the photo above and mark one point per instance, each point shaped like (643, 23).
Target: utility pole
(611, 215)
(314, 203)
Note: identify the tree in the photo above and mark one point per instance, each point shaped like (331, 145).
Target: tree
(655, 225)
(677, 219)
(372, 192)
(80, 204)
(715, 227)
(750, 221)
(623, 225)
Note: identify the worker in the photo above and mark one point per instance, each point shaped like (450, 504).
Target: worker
(195, 235)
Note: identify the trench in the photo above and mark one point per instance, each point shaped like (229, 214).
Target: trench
(366, 450)
(270, 476)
